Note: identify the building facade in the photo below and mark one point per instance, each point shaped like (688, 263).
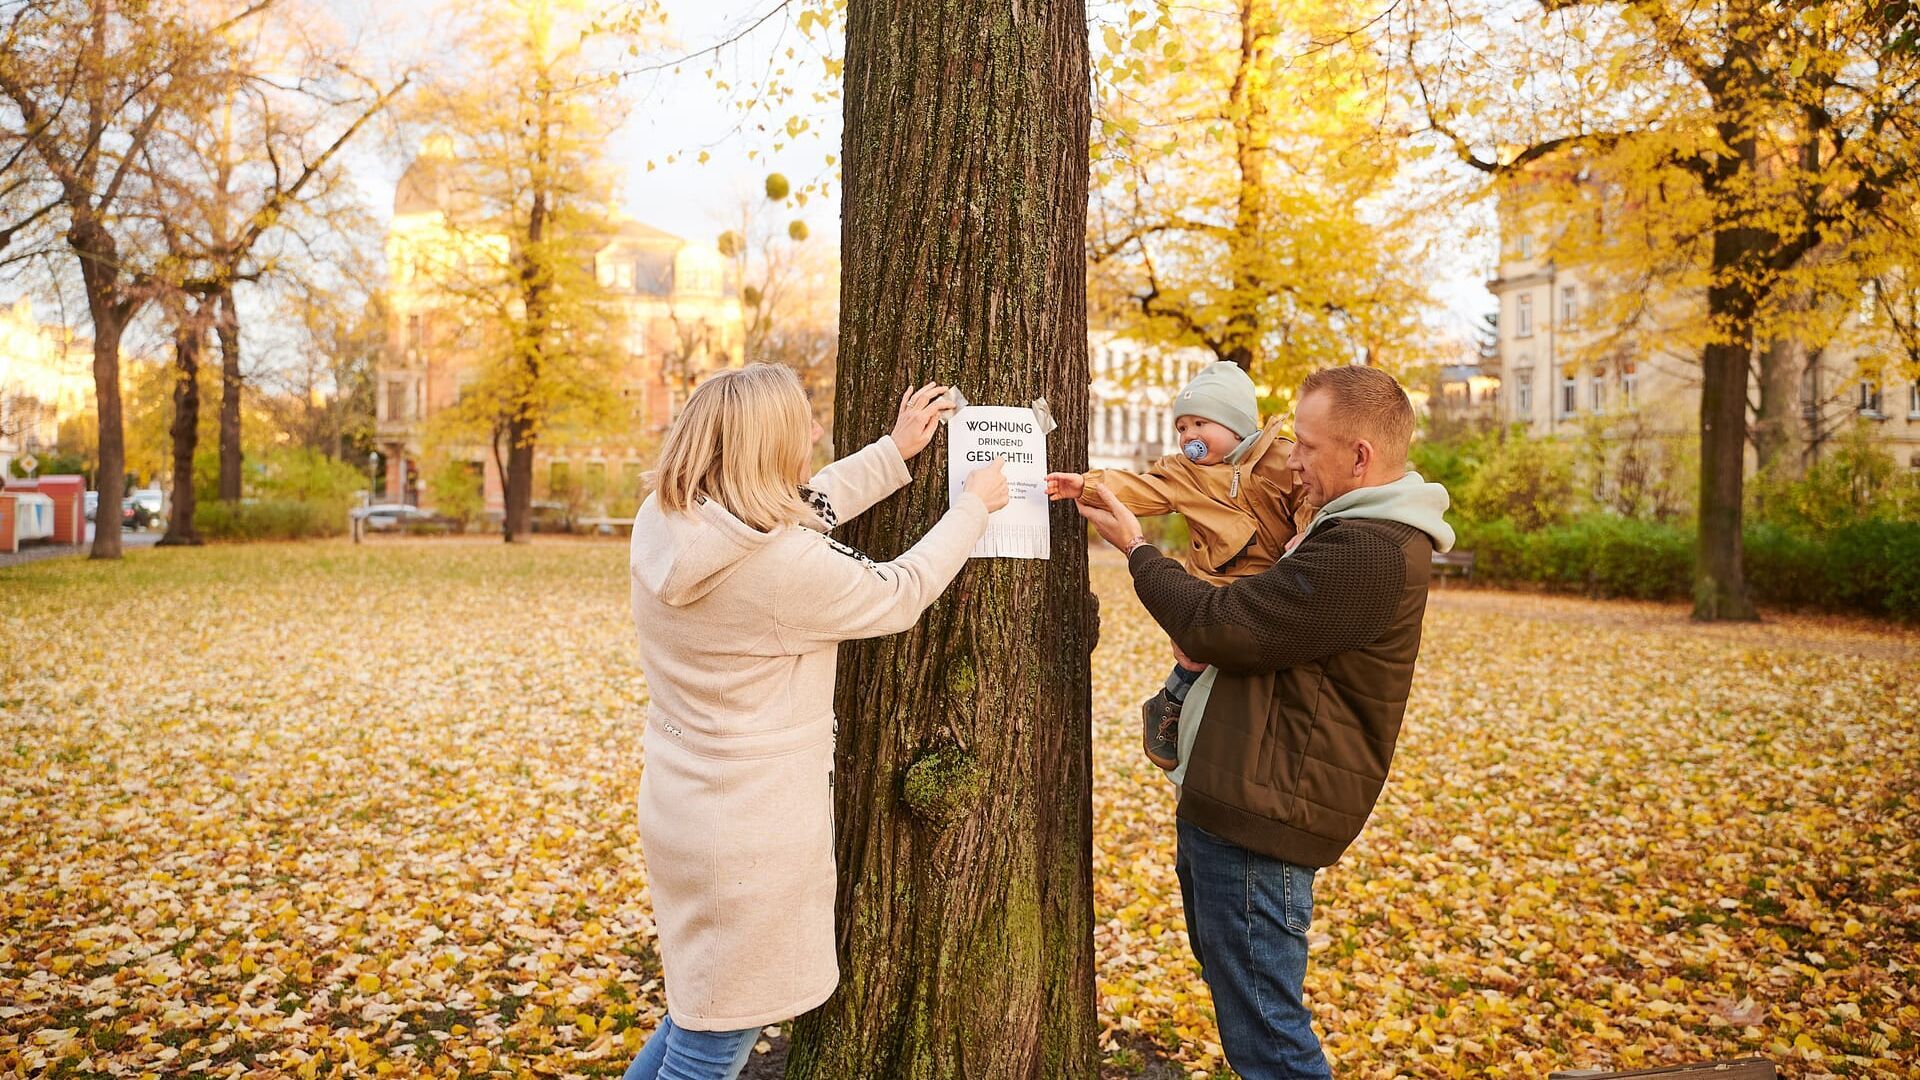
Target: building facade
(679, 308)
(1563, 360)
(1130, 398)
(46, 377)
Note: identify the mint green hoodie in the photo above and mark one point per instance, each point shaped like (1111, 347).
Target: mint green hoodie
(1410, 500)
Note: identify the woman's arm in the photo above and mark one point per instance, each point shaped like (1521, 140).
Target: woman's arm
(857, 481)
(835, 597)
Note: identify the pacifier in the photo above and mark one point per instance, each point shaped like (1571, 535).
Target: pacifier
(1195, 449)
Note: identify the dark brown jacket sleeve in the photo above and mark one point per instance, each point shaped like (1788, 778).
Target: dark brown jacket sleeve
(1337, 592)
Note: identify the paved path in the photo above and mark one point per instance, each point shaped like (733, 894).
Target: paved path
(130, 538)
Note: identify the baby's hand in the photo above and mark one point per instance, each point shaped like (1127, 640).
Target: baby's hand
(1065, 485)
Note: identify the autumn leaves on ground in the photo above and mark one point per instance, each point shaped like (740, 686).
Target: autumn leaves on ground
(324, 810)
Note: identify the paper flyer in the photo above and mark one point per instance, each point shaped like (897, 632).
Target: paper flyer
(979, 433)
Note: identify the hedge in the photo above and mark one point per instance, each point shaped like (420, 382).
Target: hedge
(1868, 566)
(275, 519)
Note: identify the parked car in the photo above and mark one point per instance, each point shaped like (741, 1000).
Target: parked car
(141, 508)
(400, 517)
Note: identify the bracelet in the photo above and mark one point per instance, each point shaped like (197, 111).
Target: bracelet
(1136, 544)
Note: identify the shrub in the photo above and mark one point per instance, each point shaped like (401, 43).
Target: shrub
(455, 489)
(1872, 567)
(275, 519)
(1526, 481)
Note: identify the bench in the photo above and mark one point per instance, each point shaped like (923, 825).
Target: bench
(1447, 563)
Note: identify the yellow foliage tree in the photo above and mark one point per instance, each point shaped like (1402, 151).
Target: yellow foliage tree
(524, 128)
(1759, 156)
(1247, 197)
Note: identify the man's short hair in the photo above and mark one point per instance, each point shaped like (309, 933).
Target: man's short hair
(1368, 404)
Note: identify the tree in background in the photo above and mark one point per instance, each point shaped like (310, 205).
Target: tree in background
(963, 762)
(1248, 193)
(87, 86)
(262, 166)
(1750, 153)
(525, 123)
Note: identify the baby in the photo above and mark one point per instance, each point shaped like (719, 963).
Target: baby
(1232, 484)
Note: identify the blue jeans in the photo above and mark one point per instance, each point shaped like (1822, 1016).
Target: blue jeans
(1247, 919)
(674, 1053)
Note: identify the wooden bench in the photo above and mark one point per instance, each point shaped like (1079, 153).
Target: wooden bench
(1452, 562)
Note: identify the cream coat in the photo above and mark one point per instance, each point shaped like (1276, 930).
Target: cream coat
(738, 630)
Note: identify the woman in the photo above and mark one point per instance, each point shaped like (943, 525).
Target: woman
(740, 598)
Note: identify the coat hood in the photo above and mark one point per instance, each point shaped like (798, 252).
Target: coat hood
(1409, 500)
(682, 556)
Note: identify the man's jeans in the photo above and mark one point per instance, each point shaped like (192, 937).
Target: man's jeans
(1247, 919)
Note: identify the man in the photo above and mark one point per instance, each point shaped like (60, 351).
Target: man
(1310, 665)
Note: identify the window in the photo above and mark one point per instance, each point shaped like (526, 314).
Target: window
(1523, 317)
(396, 399)
(1526, 246)
(1569, 395)
(1568, 306)
(1913, 400)
(1870, 400)
(1523, 394)
(559, 479)
(414, 334)
(1629, 385)
(653, 274)
(1597, 392)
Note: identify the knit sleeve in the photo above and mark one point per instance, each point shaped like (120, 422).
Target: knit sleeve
(838, 597)
(1337, 592)
(857, 481)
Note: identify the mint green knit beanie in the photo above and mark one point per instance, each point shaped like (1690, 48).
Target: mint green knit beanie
(1223, 394)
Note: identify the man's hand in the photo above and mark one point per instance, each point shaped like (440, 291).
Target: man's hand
(920, 413)
(1065, 485)
(1112, 520)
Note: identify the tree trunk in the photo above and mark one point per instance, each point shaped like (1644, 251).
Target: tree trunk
(228, 323)
(1242, 337)
(1719, 580)
(187, 339)
(99, 271)
(1776, 420)
(516, 484)
(964, 820)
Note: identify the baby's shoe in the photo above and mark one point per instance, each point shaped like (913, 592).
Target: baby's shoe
(1160, 730)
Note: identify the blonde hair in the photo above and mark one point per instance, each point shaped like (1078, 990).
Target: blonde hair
(742, 440)
(1367, 403)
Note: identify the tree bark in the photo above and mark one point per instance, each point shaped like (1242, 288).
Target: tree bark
(964, 820)
(187, 339)
(1719, 580)
(1242, 337)
(100, 272)
(227, 325)
(1776, 419)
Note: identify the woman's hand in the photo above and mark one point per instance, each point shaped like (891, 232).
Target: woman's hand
(990, 484)
(1065, 485)
(920, 413)
(1111, 519)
